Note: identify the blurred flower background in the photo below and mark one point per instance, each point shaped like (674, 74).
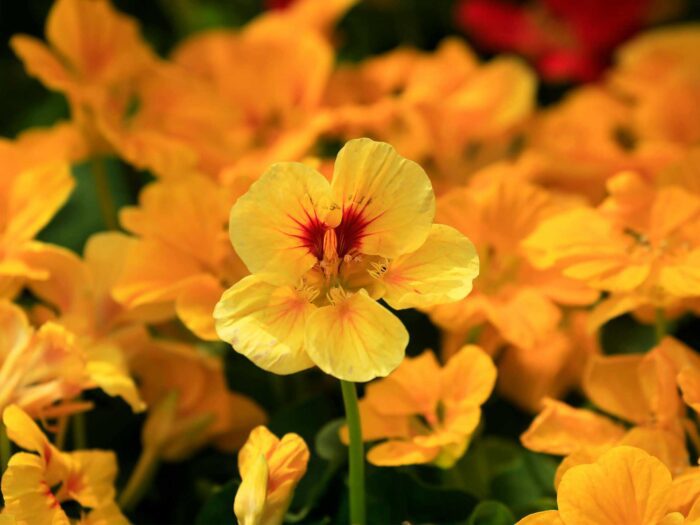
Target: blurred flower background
(532, 232)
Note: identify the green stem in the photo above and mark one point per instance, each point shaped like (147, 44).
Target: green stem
(79, 431)
(355, 454)
(5, 448)
(140, 479)
(104, 195)
(660, 324)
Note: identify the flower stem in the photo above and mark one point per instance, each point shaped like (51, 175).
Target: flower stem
(104, 195)
(79, 431)
(5, 448)
(660, 324)
(355, 454)
(140, 478)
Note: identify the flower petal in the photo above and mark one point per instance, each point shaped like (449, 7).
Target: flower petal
(265, 323)
(392, 195)
(626, 485)
(440, 271)
(399, 453)
(277, 225)
(355, 339)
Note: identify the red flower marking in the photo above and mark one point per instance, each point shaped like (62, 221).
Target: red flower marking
(349, 233)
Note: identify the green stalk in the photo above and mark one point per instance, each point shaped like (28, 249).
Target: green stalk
(660, 324)
(355, 454)
(140, 479)
(104, 195)
(5, 448)
(79, 431)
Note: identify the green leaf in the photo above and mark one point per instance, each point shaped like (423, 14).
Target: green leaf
(218, 508)
(491, 513)
(395, 496)
(328, 444)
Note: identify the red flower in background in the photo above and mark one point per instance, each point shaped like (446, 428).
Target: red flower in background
(566, 39)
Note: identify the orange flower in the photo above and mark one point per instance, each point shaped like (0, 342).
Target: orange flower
(182, 258)
(444, 110)
(641, 245)
(191, 405)
(624, 486)
(93, 53)
(270, 469)
(426, 413)
(637, 389)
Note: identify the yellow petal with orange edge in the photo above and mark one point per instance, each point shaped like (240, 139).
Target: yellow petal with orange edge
(468, 378)
(561, 429)
(626, 486)
(667, 446)
(195, 306)
(24, 432)
(41, 62)
(413, 388)
(584, 456)
(34, 198)
(356, 339)
(694, 514)
(689, 383)
(547, 517)
(440, 271)
(392, 195)
(249, 504)
(273, 226)
(25, 494)
(675, 518)
(105, 515)
(286, 461)
(685, 490)
(400, 453)
(265, 323)
(614, 385)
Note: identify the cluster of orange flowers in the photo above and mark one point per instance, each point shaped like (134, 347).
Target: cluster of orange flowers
(570, 216)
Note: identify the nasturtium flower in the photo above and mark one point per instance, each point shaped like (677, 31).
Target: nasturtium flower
(93, 52)
(425, 412)
(445, 110)
(321, 255)
(641, 245)
(519, 309)
(637, 389)
(625, 486)
(37, 483)
(270, 468)
(42, 371)
(190, 404)
(182, 260)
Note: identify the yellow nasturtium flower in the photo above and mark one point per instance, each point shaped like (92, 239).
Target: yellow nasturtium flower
(427, 413)
(626, 486)
(38, 482)
(321, 254)
(271, 469)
